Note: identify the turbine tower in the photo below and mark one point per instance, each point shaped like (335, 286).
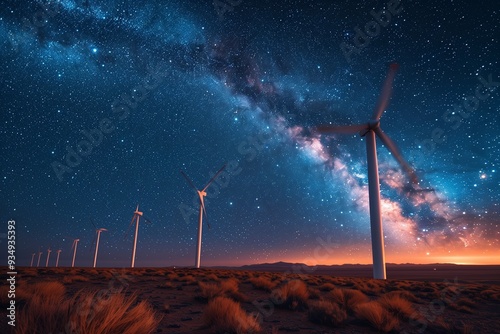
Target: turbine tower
(201, 194)
(74, 246)
(370, 130)
(136, 217)
(32, 258)
(48, 256)
(39, 256)
(97, 238)
(57, 259)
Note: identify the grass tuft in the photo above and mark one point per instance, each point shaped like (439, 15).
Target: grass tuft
(262, 283)
(397, 305)
(377, 316)
(325, 312)
(48, 311)
(292, 295)
(223, 315)
(348, 299)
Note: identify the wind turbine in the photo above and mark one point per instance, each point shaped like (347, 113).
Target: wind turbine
(96, 239)
(201, 194)
(32, 258)
(39, 256)
(370, 130)
(48, 256)
(57, 259)
(137, 216)
(74, 246)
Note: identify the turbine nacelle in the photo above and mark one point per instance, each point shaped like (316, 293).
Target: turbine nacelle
(202, 193)
(137, 212)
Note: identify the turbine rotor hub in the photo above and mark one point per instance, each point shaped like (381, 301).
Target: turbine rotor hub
(374, 124)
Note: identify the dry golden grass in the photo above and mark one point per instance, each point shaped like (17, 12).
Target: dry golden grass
(171, 276)
(187, 279)
(348, 299)
(314, 293)
(490, 294)
(464, 305)
(326, 313)
(48, 311)
(262, 283)
(292, 295)
(4, 298)
(327, 287)
(75, 278)
(167, 285)
(211, 277)
(397, 305)
(223, 315)
(377, 316)
(227, 288)
(116, 314)
(404, 294)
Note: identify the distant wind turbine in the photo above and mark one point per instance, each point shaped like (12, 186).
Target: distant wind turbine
(74, 246)
(201, 195)
(370, 130)
(137, 216)
(39, 256)
(57, 259)
(32, 258)
(48, 256)
(97, 239)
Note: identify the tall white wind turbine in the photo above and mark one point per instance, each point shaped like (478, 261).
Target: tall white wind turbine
(136, 217)
(48, 256)
(57, 259)
(73, 247)
(32, 258)
(39, 256)
(97, 239)
(201, 194)
(370, 130)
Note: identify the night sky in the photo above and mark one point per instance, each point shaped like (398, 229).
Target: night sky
(104, 102)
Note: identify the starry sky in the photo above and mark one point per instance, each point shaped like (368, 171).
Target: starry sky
(104, 102)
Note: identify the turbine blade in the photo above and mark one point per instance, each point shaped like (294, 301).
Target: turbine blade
(202, 202)
(345, 129)
(214, 177)
(93, 243)
(391, 146)
(92, 221)
(189, 181)
(385, 94)
(129, 226)
(147, 220)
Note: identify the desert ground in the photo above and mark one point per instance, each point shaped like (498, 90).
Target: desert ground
(415, 299)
